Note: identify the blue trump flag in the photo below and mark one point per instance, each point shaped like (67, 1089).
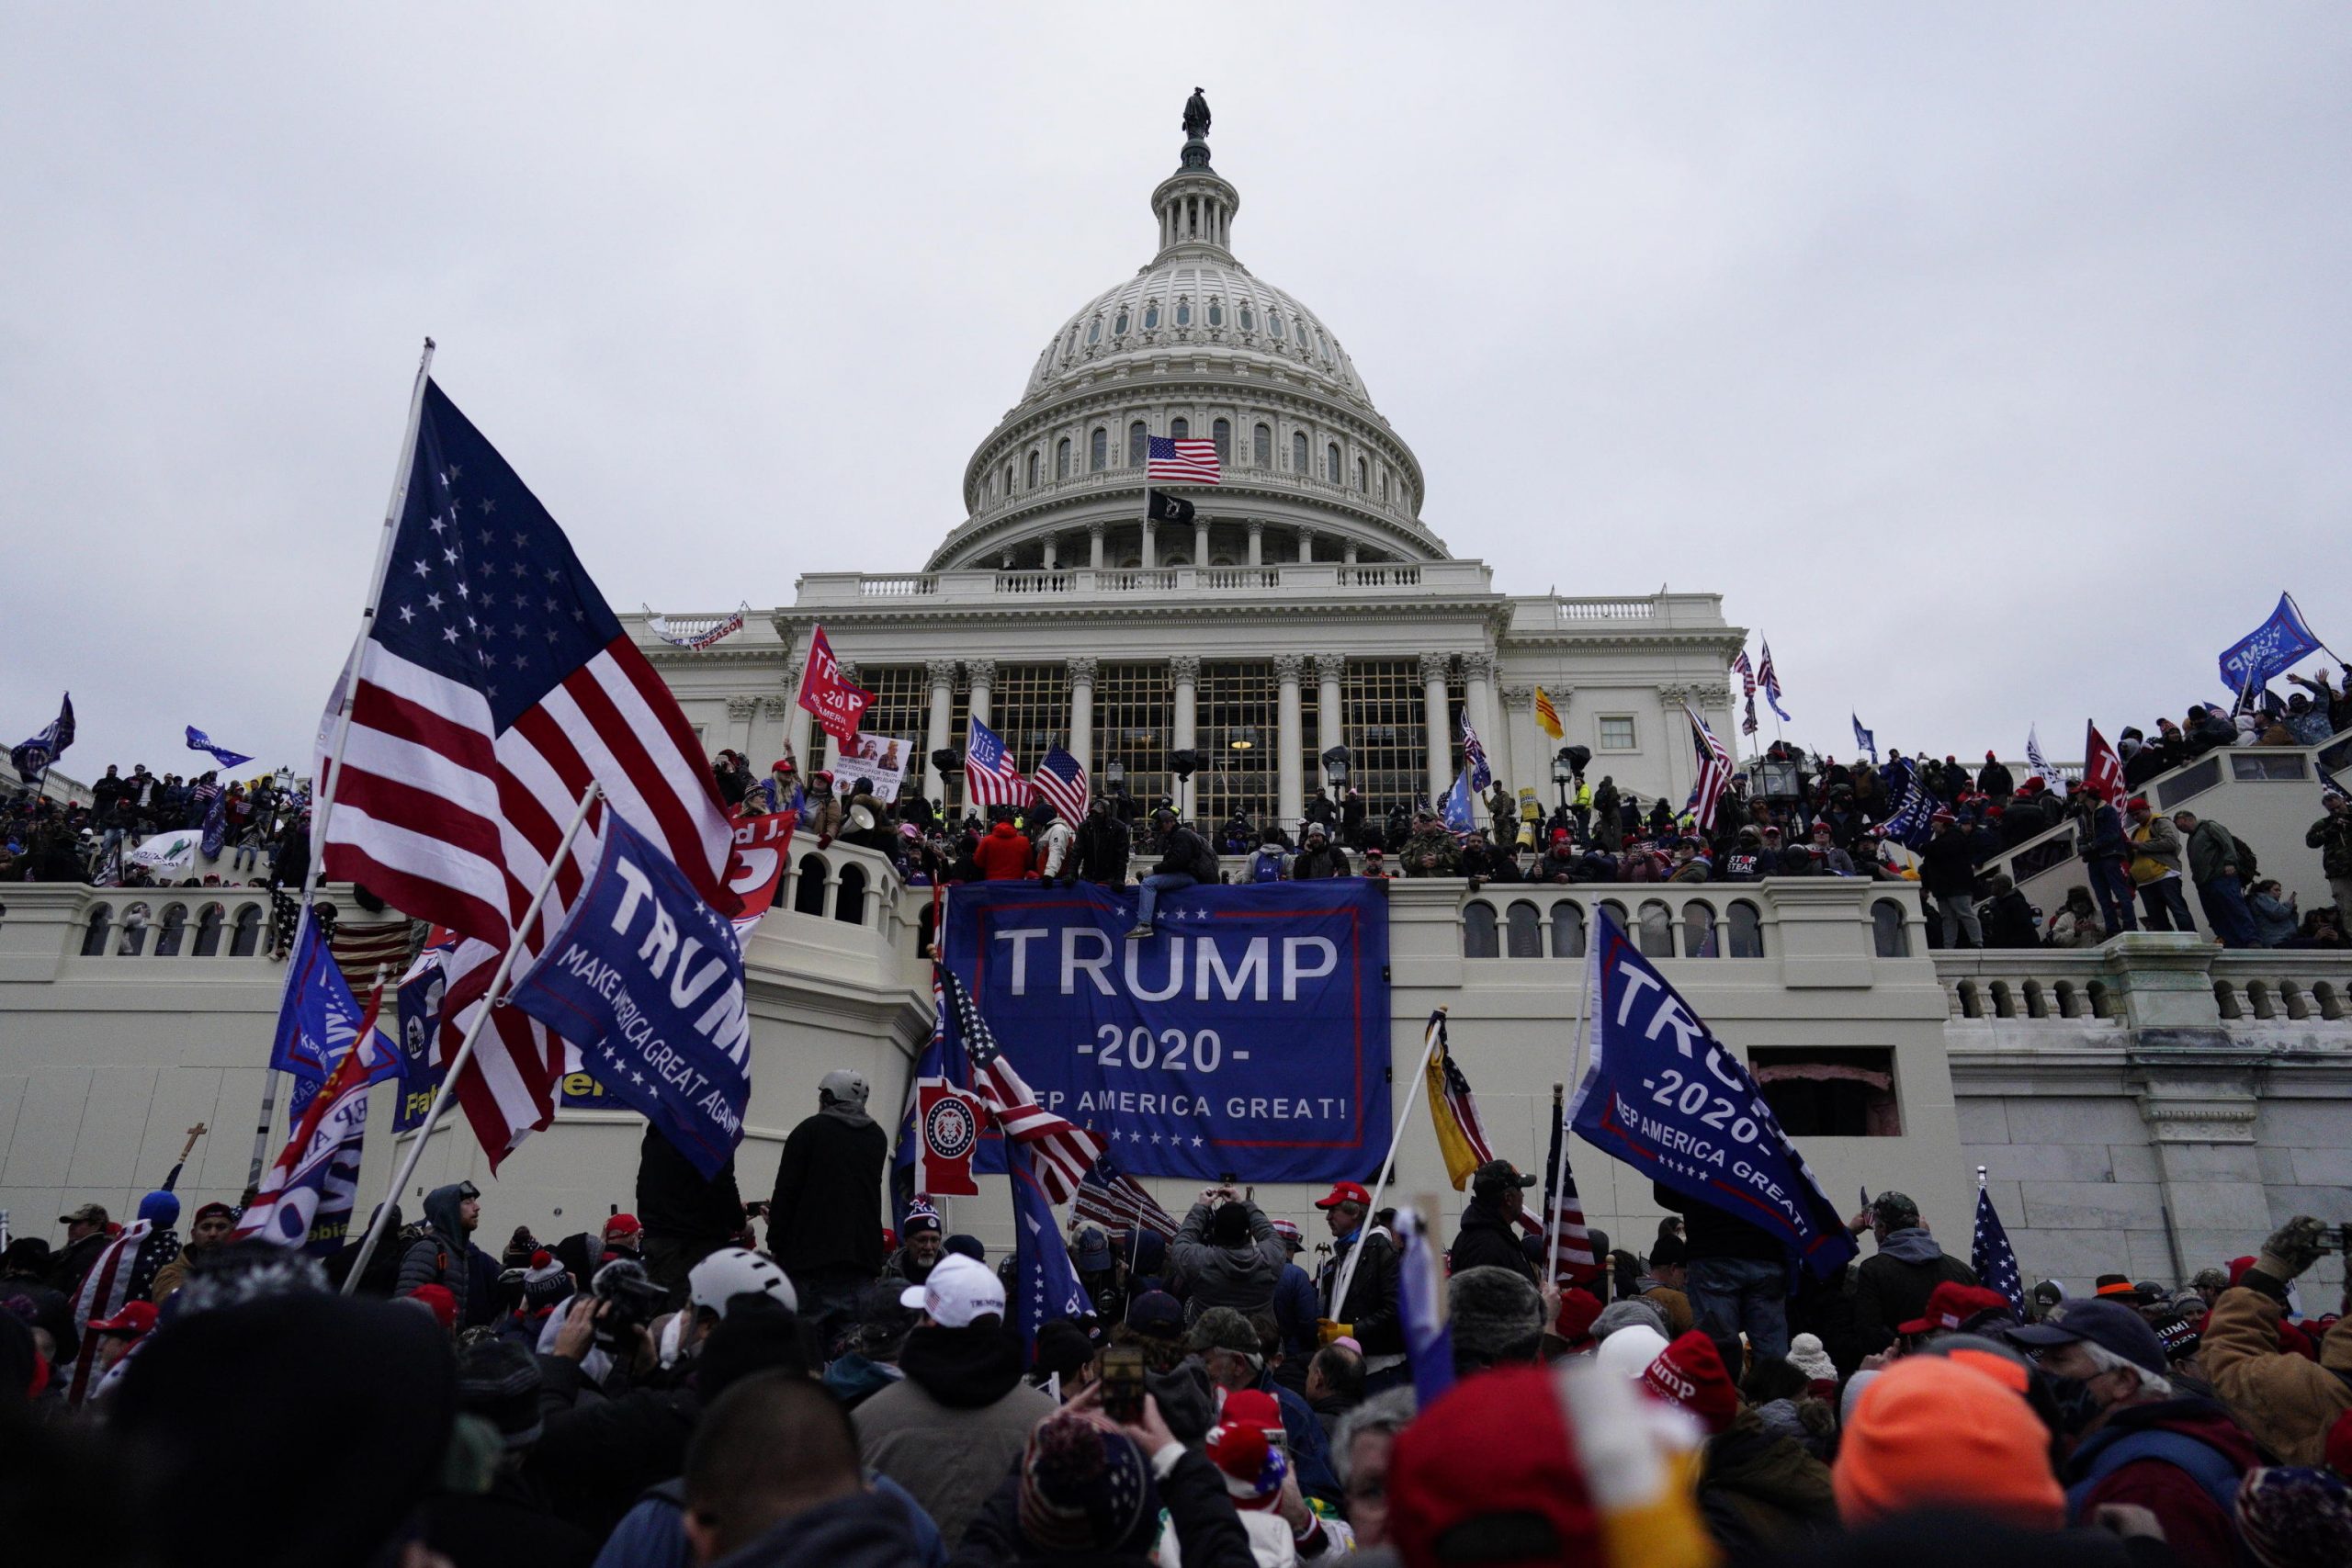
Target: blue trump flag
(1420, 1308)
(318, 1019)
(1866, 740)
(1248, 1037)
(33, 757)
(2270, 649)
(1045, 1284)
(1665, 1096)
(199, 741)
(646, 979)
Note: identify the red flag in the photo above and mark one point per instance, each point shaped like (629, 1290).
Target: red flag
(762, 842)
(837, 704)
(949, 1121)
(2102, 769)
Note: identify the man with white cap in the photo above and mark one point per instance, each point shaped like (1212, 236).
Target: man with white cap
(825, 1217)
(951, 1429)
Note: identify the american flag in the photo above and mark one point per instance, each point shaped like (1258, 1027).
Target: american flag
(1714, 771)
(1064, 1151)
(1474, 757)
(1061, 779)
(493, 687)
(1566, 1242)
(1109, 1197)
(1170, 460)
(1746, 673)
(1769, 679)
(991, 775)
(1989, 1254)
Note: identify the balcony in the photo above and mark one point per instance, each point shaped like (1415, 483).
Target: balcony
(1272, 584)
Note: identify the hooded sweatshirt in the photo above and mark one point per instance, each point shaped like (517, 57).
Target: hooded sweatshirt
(1242, 1277)
(826, 1211)
(1891, 1288)
(952, 1427)
(439, 1257)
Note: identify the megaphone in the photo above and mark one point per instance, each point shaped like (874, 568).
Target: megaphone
(1183, 763)
(948, 759)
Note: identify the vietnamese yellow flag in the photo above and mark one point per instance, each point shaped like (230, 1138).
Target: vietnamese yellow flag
(1460, 1136)
(1547, 718)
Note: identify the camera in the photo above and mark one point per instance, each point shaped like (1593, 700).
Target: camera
(1122, 1387)
(2339, 1242)
(625, 1301)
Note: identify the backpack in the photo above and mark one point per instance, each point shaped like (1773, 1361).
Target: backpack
(1204, 867)
(2248, 867)
(1266, 865)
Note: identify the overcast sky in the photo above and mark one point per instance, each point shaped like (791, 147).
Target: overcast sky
(1993, 363)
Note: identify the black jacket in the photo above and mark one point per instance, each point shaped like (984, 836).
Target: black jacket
(672, 1199)
(66, 1268)
(592, 1460)
(2008, 922)
(1892, 1287)
(1948, 865)
(1712, 1232)
(1208, 1532)
(1102, 846)
(828, 1198)
(1313, 864)
(1371, 1306)
(1185, 852)
(1486, 1240)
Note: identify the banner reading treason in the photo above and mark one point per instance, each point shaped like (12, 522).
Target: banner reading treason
(1248, 1038)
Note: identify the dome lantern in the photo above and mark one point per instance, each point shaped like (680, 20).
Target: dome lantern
(1196, 205)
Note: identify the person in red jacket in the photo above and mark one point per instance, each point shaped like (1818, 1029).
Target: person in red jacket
(1003, 851)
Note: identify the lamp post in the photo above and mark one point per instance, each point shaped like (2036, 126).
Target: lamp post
(1338, 762)
(1563, 773)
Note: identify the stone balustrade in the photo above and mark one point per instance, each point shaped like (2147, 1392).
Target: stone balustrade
(1277, 579)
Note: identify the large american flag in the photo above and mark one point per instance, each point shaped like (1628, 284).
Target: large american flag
(1746, 673)
(1566, 1242)
(1109, 1197)
(1061, 779)
(493, 687)
(1769, 679)
(1714, 771)
(1179, 460)
(991, 775)
(1064, 1151)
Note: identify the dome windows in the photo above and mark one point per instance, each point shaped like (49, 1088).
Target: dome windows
(1037, 462)
(1216, 312)
(1061, 458)
(1094, 332)
(1119, 323)
(1262, 446)
(1331, 462)
(1222, 434)
(1098, 451)
(1179, 429)
(1139, 444)
(1298, 452)
(1248, 322)
(1274, 322)
(1151, 316)
(1363, 480)
(1183, 312)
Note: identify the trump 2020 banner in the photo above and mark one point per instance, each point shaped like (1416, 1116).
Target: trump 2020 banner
(646, 979)
(1246, 1038)
(1665, 1096)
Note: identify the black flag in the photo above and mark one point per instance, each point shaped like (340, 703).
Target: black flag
(1166, 508)
(32, 759)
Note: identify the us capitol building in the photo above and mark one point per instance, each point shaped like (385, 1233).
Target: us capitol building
(2149, 1107)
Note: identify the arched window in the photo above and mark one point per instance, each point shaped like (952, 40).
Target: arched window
(1616, 911)
(1698, 930)
(1035, 459)
(1070, 343)
(1139, 444)
(1567, 929)
(1656, 933)
(1298, 452)
(1478, 930)
(1151, 316)
(1222, 434)
(809, 897)
(1889, 933)
(1384, 487)
(93, 937)
(1094, 332)
(207, 930)
(1098, 451)
(1061, 458)
(1261, 447)
(1274, 322)
(173, 931)
(1179, 429)
(1332, 461)
(1248, 322)
(1119, 323)
(134, 930)
(1524, 931)
(1216, 312)
(1746, 930)
(1360, 484)
(244, 937)
(1008, 476)
(1183, 312)
(849, 907)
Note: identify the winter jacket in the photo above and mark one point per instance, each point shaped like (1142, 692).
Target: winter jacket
(66, 1268)
(1892, 1287)
(863, 1530)
(1102, 843)
(2170, 1456)
(1294, 1314)
(1486, 1240)
(597, 1455)
(1437, 847)
(1208, 1532)
(1946, 865)
(1371, 1307)
(2274, 920)
(1759, 1493)
(674, 1201)
(2068, 929)
(2156, 851)
(826, 1210)
(1003, 853)
(2332, 837)
(2211, 846)
(1714, 1233)
(2098, 834)
(1994, 779)
(439, 1257)
(2286, 1400)
(1053, 850)
(1318, 862)
(1209, 1276)
(2008, 922)
(952, 1430)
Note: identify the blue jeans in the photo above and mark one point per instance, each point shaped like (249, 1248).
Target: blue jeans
(2165, 905)
(2113, 891)
(1732, 1294)
(1153, 887)
(2225, 911)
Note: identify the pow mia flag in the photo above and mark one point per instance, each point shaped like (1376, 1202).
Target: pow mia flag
(1166, 508)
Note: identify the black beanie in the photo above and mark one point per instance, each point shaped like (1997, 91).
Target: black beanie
(1229, 1227)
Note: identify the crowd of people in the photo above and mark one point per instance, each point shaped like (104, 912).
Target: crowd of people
(674, 1386)
(263, 827)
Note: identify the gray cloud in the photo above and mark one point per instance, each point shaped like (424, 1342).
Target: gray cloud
(1991, 362)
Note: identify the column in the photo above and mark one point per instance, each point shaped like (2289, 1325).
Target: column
(1049, 552)
(1514, 763)
(1184, 674)
(1330, 721)
(1257, 541)
(1480, 669)
(1082, 710)
(1200, 541)
(1674, 738)
(935, 735)
(1150, 542)
(776, 710)
(796, 732)
(1094, 546)
(740, 710)
(1307, 544)
(1348, 554)
(1433, 715)
(1290, 795)
(982, 673)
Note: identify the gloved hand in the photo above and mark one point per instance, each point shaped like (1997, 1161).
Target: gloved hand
(1325, 1331)
(2291, 1249)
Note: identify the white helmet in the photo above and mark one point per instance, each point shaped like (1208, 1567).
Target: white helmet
(734, 1272)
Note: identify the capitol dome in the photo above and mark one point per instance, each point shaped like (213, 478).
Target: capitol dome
(1193, 345)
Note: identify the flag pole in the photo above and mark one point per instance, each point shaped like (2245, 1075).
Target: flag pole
(1380, 1184)
(1552, 1208)
(456, 1064)
(324, 807)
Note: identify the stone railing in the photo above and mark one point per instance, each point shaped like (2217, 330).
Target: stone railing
(1673, 611)
(1238, 478)
(2149, 979)
(47, 925)
(1274, 579)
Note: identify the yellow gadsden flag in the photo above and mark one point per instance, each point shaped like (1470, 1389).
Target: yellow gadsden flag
(1460, 1136)
(1547, 718)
